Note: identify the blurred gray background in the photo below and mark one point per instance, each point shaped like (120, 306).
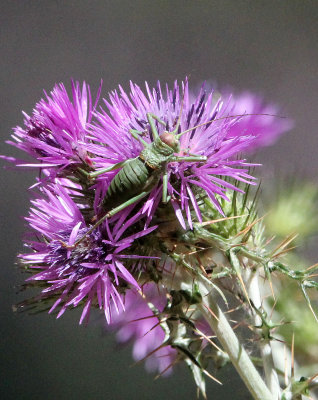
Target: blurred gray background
(266, 46)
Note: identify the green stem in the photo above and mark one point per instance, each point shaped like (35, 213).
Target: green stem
(236, 352)
(264, 344)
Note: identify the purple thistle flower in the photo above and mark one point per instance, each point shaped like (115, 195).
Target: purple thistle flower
(138, 325)
(266, 128)
(55, 134)
(92, 273)
(206, 125)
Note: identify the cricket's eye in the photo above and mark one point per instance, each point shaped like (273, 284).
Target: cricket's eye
(169, 139)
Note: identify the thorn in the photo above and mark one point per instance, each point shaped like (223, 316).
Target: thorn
(312, 378)
(272, 310)
(213, 221)
(165, 370)
(212, 377)
(269, 240)
(148, 355)
(312, 276)
(285, 368)
(155, 326)
(244, 288)
(285, 242)
(278, 340)
(311, 267)
(249, 227)
(237, 325)
(272, 290)
(233, 309)
(284, 251)
(200, 264)
(211, 312)
(209, 340)
(313, 311)
(142, 318)
(174, 274)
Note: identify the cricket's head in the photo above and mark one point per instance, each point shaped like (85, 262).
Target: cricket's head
(171, 140)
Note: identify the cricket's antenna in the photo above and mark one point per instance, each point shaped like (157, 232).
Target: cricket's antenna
(181, 109)
(219, 119)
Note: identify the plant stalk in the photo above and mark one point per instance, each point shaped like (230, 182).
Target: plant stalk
(265, 347)
(236, 352)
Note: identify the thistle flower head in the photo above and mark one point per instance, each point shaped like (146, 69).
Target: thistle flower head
(93, 272)
(199, 127)
(55, 133)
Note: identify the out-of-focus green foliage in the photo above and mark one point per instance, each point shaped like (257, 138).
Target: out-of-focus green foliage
(294, 210)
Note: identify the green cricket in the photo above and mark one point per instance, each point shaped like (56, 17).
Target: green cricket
(138, 176)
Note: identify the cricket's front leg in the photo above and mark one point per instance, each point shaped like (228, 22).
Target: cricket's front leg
(137, 135)
(194, 158)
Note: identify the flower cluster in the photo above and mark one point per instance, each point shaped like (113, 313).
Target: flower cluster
(93, 272)
(114, 180)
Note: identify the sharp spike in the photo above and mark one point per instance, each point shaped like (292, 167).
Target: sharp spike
(293, 356)
(211, 377)
(286, 367)
(213, 221)
(165, 370)
(209, 340)
(148, 355)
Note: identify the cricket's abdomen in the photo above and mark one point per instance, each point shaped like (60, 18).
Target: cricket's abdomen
(134, 178)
